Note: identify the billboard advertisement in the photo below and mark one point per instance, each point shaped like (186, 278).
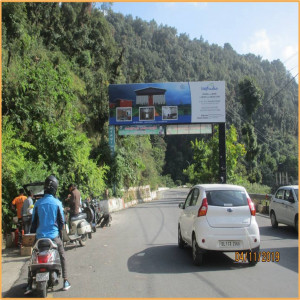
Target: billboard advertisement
(167, 103)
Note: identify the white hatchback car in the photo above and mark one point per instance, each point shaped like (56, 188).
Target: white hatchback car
(284, 206)
(219, 217)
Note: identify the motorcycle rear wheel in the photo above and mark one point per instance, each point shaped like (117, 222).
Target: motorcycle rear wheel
(41, 288)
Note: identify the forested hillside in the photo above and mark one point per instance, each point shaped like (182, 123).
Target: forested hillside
(156, 53)
(57, 62)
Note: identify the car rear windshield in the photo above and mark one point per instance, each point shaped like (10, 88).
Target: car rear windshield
(226, 198)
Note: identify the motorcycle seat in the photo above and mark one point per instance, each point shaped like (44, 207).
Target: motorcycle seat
(80, 216)
(45, 244)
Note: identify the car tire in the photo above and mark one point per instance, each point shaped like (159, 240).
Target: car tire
(296, 224)
(181, 242)
(253, 257)
(274, 222)
(197, 255)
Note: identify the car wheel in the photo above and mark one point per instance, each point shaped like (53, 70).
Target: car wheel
(296, 224)
(253, 257)
(273, 220)
(197, 255)
(181, 242)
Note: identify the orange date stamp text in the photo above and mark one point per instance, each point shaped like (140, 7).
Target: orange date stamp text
(262, 256)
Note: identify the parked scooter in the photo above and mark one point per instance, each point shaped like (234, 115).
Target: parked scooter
(90, 209)
(80, 229)
(100, 217)
(44, 266)
(97, 210)
(95, 215)
(105, 220)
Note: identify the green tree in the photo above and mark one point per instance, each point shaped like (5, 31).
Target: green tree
(252, 148)
(250, 95)
(205, 168)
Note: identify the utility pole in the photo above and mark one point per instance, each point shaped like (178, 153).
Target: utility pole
(222, 153)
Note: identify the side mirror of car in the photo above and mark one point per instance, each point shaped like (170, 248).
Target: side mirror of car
(181, 205)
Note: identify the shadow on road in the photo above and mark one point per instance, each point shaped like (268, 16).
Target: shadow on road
(282, 232)
(17, 291)
(288, 257)
(170, 259)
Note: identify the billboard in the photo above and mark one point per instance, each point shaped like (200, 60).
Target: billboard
(167, 103)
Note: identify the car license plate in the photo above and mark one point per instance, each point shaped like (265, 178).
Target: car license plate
(225, 244)
(42, 276)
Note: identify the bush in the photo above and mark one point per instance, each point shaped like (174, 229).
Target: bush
(167, 181)
(252, 188)
(178, 182)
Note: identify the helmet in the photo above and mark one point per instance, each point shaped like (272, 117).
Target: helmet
(51, 185)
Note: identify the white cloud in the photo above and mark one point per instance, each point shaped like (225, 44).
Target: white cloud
(289, 52)
(290, 59)
(259, 44)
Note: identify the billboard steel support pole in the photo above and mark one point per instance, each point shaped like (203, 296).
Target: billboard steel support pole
(222, 153)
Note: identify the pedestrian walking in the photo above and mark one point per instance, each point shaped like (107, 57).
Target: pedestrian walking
(17, 205)
(26, 215)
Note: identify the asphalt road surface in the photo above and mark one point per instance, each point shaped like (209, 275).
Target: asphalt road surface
(138, 256)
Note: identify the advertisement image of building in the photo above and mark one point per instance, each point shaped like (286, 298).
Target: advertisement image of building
(150, 96)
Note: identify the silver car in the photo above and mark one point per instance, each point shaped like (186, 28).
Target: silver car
(284, 206)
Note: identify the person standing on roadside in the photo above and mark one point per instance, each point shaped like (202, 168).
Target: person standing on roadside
(17, 205)
(26, 216)
(74, 199)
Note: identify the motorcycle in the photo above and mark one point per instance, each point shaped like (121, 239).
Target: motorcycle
(105, 220)
(97, 211)
(44, 266)
(99, 217)
(79, 231)
(90, 209)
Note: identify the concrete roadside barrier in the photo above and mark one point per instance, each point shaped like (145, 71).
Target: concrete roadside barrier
(132, 196)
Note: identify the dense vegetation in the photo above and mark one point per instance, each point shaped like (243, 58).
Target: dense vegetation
(57, 62)
(261, 96)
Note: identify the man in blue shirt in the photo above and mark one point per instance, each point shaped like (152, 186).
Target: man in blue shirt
(47, 222)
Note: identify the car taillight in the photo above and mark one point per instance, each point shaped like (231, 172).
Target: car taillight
(251, 206)
(203, 208)
(42, 259)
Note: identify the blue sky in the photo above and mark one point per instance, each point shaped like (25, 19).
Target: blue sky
(177, 93)
(268, 29)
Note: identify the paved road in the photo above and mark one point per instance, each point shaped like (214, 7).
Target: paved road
(138, 257)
